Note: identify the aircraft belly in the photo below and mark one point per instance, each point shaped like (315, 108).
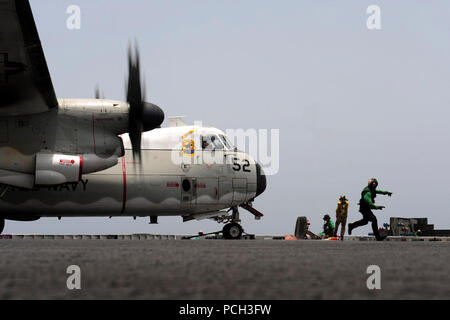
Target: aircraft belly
(106, 195)
(94, 195)
(151, 194)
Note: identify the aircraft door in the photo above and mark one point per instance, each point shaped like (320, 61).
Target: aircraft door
(239, 190)
(225, 191)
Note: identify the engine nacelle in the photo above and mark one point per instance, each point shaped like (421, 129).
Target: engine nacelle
(54, 169)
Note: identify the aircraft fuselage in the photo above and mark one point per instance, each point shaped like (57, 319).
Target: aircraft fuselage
(154, 187)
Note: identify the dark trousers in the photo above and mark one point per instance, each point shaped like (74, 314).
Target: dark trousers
(340, 220)
(368, 216)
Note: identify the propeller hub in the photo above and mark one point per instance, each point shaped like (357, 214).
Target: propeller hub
(152, 116)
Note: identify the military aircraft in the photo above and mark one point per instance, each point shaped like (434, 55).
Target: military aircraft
(98, 157)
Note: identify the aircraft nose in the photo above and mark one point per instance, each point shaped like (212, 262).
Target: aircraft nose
(261, 181)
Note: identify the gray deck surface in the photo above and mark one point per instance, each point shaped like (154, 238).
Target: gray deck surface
(218, 269)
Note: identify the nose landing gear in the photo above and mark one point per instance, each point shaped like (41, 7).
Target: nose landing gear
(233, 230)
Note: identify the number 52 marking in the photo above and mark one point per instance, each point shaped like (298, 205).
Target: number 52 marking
(238, 167)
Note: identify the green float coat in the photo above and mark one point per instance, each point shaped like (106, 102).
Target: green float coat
(368, 198)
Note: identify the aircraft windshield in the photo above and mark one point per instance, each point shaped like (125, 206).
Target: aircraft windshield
(226, 142)
(211, 142)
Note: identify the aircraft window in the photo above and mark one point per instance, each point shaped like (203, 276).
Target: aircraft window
(186, 185)
(211, 143)
(226, 142)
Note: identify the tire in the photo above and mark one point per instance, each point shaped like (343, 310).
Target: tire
(301, 227)
(232, 231)
(2, 225)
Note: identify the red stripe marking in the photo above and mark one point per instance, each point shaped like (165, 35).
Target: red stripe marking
(93, 132)
(172, 184)
(124, 171)
(81, 168)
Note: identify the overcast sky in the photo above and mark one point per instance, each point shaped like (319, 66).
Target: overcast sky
(350, 103)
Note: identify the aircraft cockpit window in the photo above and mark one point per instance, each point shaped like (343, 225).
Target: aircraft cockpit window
(226, 142)
(211, 143)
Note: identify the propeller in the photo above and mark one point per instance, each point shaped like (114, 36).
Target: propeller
(143, 116)
(97, 93)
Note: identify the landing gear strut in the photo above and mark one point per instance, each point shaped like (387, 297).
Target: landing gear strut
(3, 189)
(233, 230)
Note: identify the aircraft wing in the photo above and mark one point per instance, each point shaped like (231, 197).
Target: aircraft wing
(25, 83)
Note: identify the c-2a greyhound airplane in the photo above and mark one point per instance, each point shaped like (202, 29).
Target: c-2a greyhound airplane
(97, 157)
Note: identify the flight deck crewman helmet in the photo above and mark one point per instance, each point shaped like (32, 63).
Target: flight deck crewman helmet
(373, 183)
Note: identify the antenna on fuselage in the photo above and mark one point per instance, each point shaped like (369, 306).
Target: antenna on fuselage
(97, 93)
(177, 122)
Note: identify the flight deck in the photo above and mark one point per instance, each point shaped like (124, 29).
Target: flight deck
(120, 268)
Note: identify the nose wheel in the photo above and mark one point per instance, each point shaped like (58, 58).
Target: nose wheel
(232, 231)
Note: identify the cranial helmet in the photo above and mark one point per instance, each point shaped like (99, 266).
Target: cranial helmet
(372, 181)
